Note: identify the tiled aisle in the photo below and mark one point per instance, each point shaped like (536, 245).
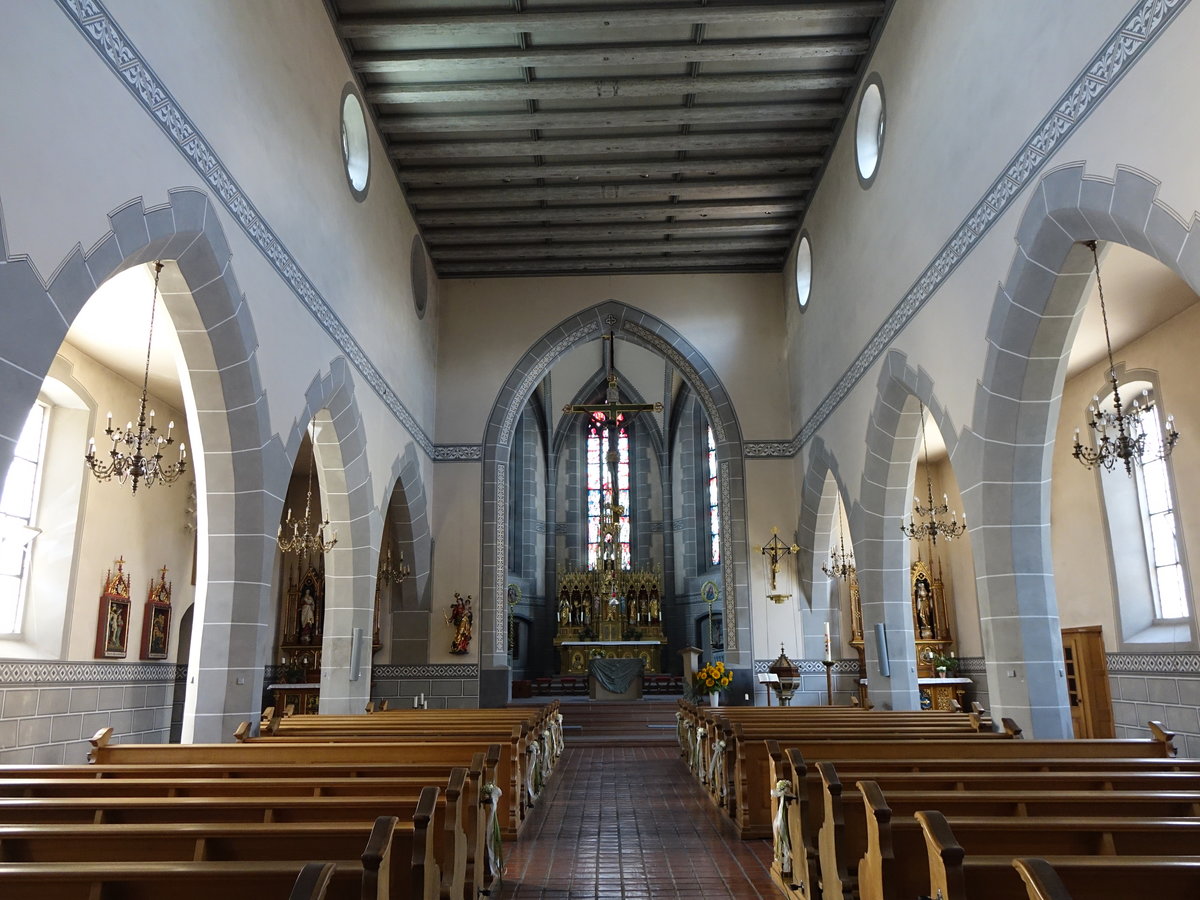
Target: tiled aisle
(630, 822)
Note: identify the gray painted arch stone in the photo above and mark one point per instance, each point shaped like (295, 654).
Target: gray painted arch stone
(219, 342)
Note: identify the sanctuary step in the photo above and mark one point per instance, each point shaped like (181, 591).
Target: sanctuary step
(643, 722)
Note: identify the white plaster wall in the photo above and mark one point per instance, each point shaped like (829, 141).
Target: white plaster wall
(771, 502)
(734, 320)
(456, 556)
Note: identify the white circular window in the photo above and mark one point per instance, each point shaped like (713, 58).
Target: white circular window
(803, 271)
(356, 153)
(868, 132)
(420, 275)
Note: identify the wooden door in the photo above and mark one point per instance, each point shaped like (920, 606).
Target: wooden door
(1087, 682)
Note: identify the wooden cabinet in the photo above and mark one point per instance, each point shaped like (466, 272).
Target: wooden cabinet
(1088, 693)
(304, 699)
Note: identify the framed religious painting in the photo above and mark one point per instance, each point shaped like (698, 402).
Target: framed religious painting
(112, 626)
(156, 623)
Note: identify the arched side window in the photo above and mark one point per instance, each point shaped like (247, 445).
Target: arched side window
(1157, 502)
(714, 501)
(599, 483)
(18, 513)
(1152, 593)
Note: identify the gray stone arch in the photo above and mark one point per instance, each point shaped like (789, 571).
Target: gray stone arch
(340, 452)
(1033, 321)
(407, 507)
(219, 344)
(819, 496)
(881, 553)
(652, 333)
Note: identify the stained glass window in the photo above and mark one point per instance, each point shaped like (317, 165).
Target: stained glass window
(599, 483)
(1162, 536)
(17, 506)
(714, 504)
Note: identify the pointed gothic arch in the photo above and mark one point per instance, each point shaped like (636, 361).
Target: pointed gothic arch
(641, 328)
(1033, 321)
(217, 335)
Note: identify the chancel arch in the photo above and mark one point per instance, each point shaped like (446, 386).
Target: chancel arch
(227, 419)
(639, 328)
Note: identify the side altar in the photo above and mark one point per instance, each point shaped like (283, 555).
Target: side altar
(609, 615)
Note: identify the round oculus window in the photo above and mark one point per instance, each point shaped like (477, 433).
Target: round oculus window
(356, 153)
(868, 131)
(803, 271)
(418, 266)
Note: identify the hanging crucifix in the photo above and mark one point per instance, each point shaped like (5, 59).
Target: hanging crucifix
(611, 511)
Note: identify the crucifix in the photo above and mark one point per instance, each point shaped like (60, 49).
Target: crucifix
(610, 507)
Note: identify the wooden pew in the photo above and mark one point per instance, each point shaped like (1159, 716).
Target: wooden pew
(805, 799)
(1102, 878)
(415, 833)
(970, 858)
(895, 859)
(387, 852)
(842, 837)
(179, 881)
(351, 755)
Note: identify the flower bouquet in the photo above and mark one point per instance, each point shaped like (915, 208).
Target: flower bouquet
(711, 680)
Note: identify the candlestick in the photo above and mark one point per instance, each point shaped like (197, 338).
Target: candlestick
(828, 645)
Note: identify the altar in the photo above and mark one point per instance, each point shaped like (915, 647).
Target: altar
(575, 655)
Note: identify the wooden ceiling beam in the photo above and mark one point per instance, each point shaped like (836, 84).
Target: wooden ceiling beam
(629, 265)
(709, 210)
(426, 176)
(556, 250)
(504, 234)
(443, 24)
(729, 142)
(655, 116)
(596, 55)
(725, 188)
(606, 88)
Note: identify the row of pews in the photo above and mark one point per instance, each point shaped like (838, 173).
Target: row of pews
(882, 805)
(387, 806)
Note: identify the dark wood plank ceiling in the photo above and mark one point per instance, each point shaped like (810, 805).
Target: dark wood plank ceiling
(540, 138)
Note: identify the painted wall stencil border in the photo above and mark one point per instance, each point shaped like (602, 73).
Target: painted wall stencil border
(114, 47)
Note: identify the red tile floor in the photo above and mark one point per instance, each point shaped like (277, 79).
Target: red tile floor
(618, 822)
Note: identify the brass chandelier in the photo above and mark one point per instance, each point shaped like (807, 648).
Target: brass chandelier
(307, 536)
(136, 454)
(841, 562)
(1120, 434)
(935, 524)
(388, 572)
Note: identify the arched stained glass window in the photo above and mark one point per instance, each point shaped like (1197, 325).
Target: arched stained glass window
(599, 482)
(714, 504)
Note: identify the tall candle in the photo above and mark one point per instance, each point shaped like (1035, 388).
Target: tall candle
(828, 646)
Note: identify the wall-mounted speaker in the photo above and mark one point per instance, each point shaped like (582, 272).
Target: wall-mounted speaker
(356, 654)
(885, 667)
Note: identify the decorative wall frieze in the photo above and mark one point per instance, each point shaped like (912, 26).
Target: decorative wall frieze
(434, 670)
(811, 666)
(126, 61)
(1154, 663)
(771, 449)
(457, 452)
(500, 608)
(44, 673)
(731, 622)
